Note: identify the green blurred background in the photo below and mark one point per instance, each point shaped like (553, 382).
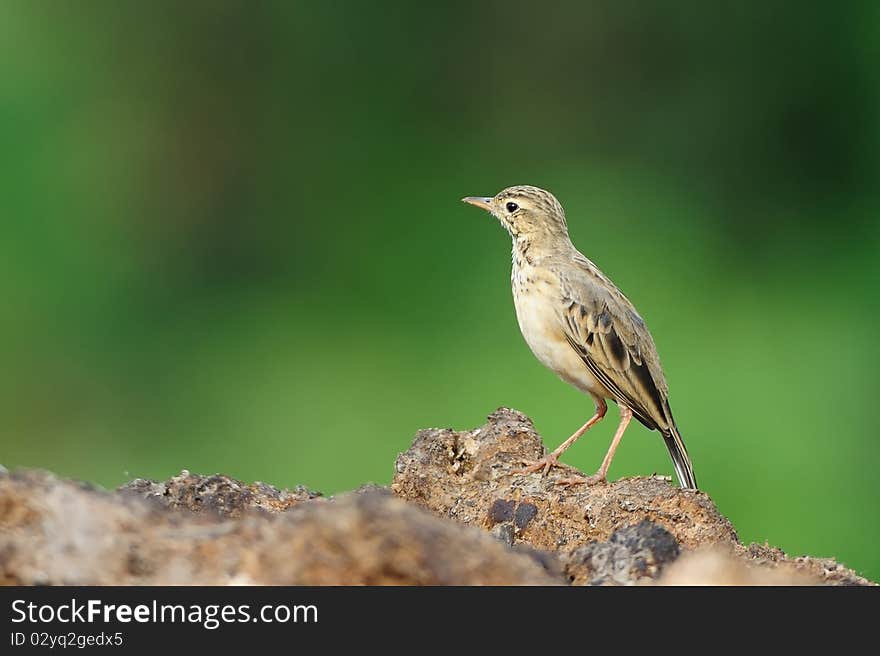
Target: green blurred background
(232, 238)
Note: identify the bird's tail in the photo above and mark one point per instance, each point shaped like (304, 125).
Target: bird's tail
(683, 467)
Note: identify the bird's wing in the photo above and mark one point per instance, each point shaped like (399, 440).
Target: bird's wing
(605, 330)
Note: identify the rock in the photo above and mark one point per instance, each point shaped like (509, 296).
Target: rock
(217, 493)
(58, 532)
(469, 476)
(824, 570)
(623, 532)
(457, 513)
(630, 555)
(717, 566)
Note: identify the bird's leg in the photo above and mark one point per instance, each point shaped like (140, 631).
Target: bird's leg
(552, 459)
(599, 476)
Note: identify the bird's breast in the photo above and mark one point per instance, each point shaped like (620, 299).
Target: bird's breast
(537, 299)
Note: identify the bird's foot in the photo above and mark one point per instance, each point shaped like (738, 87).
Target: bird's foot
(543, 465)
(595, 479)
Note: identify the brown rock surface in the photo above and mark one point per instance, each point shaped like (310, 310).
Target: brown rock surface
(470, 477)
(217, 493)
(57, 532)
(461, 516)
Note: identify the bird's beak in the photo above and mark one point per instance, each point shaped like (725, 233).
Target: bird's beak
(479, 201)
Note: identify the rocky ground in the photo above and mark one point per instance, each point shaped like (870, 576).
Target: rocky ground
(456, 513)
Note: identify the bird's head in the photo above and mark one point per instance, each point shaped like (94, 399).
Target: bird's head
(525, 211)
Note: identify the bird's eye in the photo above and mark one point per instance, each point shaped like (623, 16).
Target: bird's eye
(512, 207)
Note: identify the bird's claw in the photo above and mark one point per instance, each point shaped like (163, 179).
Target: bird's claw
(580, 480)
(546, 464)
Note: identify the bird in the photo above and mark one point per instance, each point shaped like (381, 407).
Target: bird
(580, 325)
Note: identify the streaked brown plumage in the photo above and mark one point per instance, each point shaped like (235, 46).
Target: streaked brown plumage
(580, 325)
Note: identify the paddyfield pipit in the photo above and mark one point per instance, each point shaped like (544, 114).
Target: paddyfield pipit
(580, 325)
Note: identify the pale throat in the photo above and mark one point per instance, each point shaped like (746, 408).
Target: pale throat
(526, 257)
